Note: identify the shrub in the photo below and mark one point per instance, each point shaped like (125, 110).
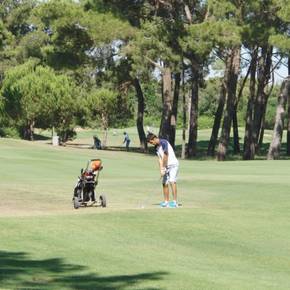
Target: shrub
(9, 132)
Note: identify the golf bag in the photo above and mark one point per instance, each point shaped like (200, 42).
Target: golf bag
(84, 191)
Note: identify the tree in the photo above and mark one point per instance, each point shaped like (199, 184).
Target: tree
(14, 25)
(274, 149)
(231, 87)
(140, 115)
(196, 43)
(228, 17)
(281, 40)
(263, 23)
(218, 118)
(103, 103)
(150, 49)
(76, 34)
(131, 11)
(36, 96)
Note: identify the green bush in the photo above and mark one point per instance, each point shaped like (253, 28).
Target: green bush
(152, 121)
(205, 122)
(270, 114)
(9, 132)
(66, 134)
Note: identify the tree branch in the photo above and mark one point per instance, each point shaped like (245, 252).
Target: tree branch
(187, 13)
(155, 63)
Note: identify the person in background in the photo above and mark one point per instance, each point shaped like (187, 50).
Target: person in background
(126, 140)
(97, 142)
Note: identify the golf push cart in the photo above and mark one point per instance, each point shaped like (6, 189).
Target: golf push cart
(84, 191)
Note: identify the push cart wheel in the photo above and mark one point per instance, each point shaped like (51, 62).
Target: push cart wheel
(103, 200)
(76, 203)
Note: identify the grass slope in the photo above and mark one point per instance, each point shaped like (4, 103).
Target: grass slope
(231, 233)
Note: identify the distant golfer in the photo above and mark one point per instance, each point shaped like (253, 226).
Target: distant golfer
(126, 140)
(97, 142)
(168, 165)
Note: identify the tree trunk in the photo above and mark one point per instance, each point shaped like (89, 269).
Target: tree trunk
(249, 144)
(288, 128)
(165, 126)
(261, 137)
(140, 115)
(288, 125)
(183, 117)
(275, 146)
(237, 149)
(263, 76)
(173, 119)
(262, 130)
(28, 133)
(236, 131)
(193, 113)
(218, 117)
(105, 127)
(231, 85)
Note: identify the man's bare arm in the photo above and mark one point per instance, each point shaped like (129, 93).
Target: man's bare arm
(165, 160)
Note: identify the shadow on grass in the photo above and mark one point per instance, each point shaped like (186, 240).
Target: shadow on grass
(18, 271)
(38, 137)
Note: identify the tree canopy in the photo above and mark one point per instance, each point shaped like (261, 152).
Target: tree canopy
(102, 62)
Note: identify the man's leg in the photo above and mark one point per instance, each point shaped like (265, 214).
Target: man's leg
(173, 172)
(174, 190)
(166, 192)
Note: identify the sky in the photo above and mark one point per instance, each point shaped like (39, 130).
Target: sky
(280, 73)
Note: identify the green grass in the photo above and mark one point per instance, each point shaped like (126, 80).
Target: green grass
(232, 231)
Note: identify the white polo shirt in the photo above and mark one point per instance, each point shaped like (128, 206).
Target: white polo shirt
(165, 148)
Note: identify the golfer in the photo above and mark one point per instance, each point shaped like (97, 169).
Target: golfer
(168, 165)
(126, 140)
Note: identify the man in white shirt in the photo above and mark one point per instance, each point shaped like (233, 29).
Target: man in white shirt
(168, 165)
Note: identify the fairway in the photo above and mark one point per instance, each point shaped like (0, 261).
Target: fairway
(232, 231)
